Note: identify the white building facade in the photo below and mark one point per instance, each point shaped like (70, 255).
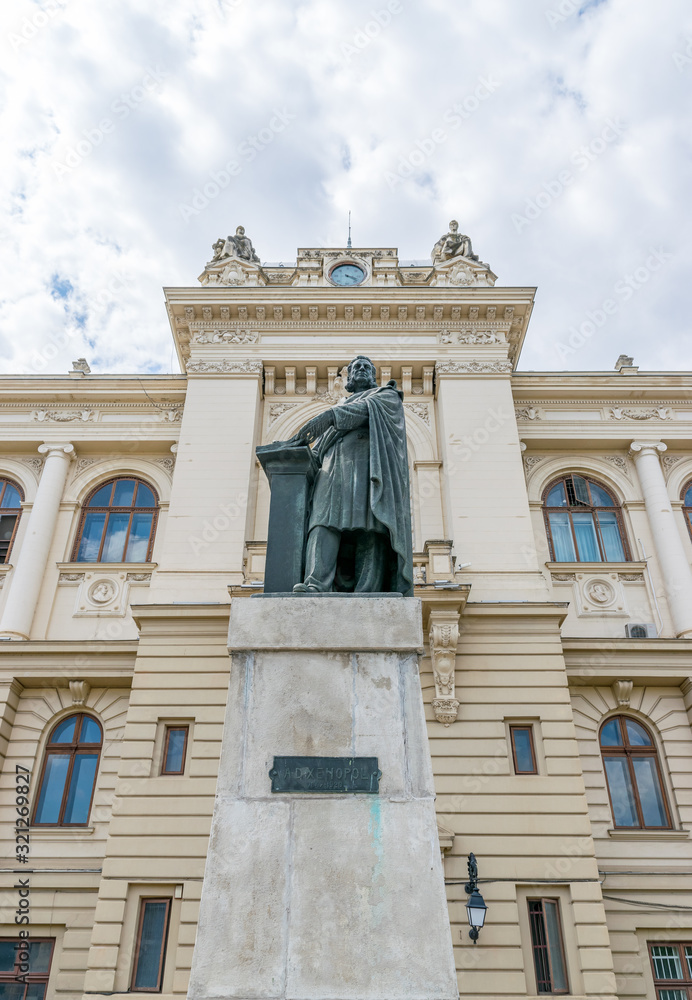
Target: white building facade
(552, 523)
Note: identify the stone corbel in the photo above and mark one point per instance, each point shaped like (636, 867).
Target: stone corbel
(443, 638)
(446, 838)
(623, 692)
(79, 691)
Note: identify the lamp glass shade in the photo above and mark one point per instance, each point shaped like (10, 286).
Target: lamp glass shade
(476, 909)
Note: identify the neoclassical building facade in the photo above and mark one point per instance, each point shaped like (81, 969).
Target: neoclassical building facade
(552, 523)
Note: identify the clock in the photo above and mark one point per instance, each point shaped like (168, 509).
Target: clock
(347, 274)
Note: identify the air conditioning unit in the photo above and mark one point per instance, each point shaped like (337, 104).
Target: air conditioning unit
(639, 630)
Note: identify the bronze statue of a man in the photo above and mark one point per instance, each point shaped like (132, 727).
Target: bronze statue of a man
(359, 527)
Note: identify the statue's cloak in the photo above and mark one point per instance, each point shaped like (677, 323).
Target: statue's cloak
(363, 480)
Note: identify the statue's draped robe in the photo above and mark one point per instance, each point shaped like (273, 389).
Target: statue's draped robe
(363, 480)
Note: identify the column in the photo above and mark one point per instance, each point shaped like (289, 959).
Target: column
(675, 569)
(29, 572)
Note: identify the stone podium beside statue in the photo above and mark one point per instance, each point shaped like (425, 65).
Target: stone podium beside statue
(340, 518)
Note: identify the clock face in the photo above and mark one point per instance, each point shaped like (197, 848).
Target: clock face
(347, 274)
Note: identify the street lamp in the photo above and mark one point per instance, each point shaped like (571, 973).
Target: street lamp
(475, 907)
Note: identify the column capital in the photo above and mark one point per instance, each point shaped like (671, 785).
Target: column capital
(65, 450)
(638, 448)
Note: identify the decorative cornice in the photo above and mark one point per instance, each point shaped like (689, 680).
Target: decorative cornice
(473, 367)
(250, 366)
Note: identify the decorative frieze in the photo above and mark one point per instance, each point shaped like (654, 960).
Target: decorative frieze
(640, 413)
(473, 367)
(470, 337)
(225, 367)
(527, 413)
(237, 336)
(63, 416)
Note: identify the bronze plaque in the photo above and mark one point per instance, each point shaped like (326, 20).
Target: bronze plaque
(325, 774)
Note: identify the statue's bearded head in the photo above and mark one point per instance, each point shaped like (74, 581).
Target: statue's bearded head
(453, 226)
(362, 375)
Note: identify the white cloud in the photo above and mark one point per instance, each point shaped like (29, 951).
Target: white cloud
(185, 85)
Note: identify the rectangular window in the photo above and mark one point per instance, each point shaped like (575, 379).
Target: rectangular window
(150, 946)
(672, 967)
(547, 945)
(523, 752)
(174, 750)
(25, 967)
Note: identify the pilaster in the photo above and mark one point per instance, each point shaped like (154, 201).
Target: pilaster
(215, 475)
(485, 492)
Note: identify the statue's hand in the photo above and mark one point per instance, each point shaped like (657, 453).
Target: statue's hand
(314, 428)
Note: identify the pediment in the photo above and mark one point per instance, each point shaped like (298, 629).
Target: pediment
(463, 272)
(230, 272)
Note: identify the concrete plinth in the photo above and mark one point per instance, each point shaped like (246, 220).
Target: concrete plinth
(324, 896)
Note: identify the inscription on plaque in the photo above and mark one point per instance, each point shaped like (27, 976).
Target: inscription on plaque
(325, 774)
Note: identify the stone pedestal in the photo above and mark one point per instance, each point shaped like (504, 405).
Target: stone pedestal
(291, 472)
(309, 896)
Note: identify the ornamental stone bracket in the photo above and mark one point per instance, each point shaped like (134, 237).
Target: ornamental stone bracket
(622, 690)
(79, 691)
(443, 638)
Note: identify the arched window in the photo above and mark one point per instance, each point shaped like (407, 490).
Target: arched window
(68, 778)
(118, 523)
(583, 522)
(687, 505)
(10, 512)
(633, 775)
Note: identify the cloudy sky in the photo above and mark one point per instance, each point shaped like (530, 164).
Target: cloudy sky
(557, 133)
